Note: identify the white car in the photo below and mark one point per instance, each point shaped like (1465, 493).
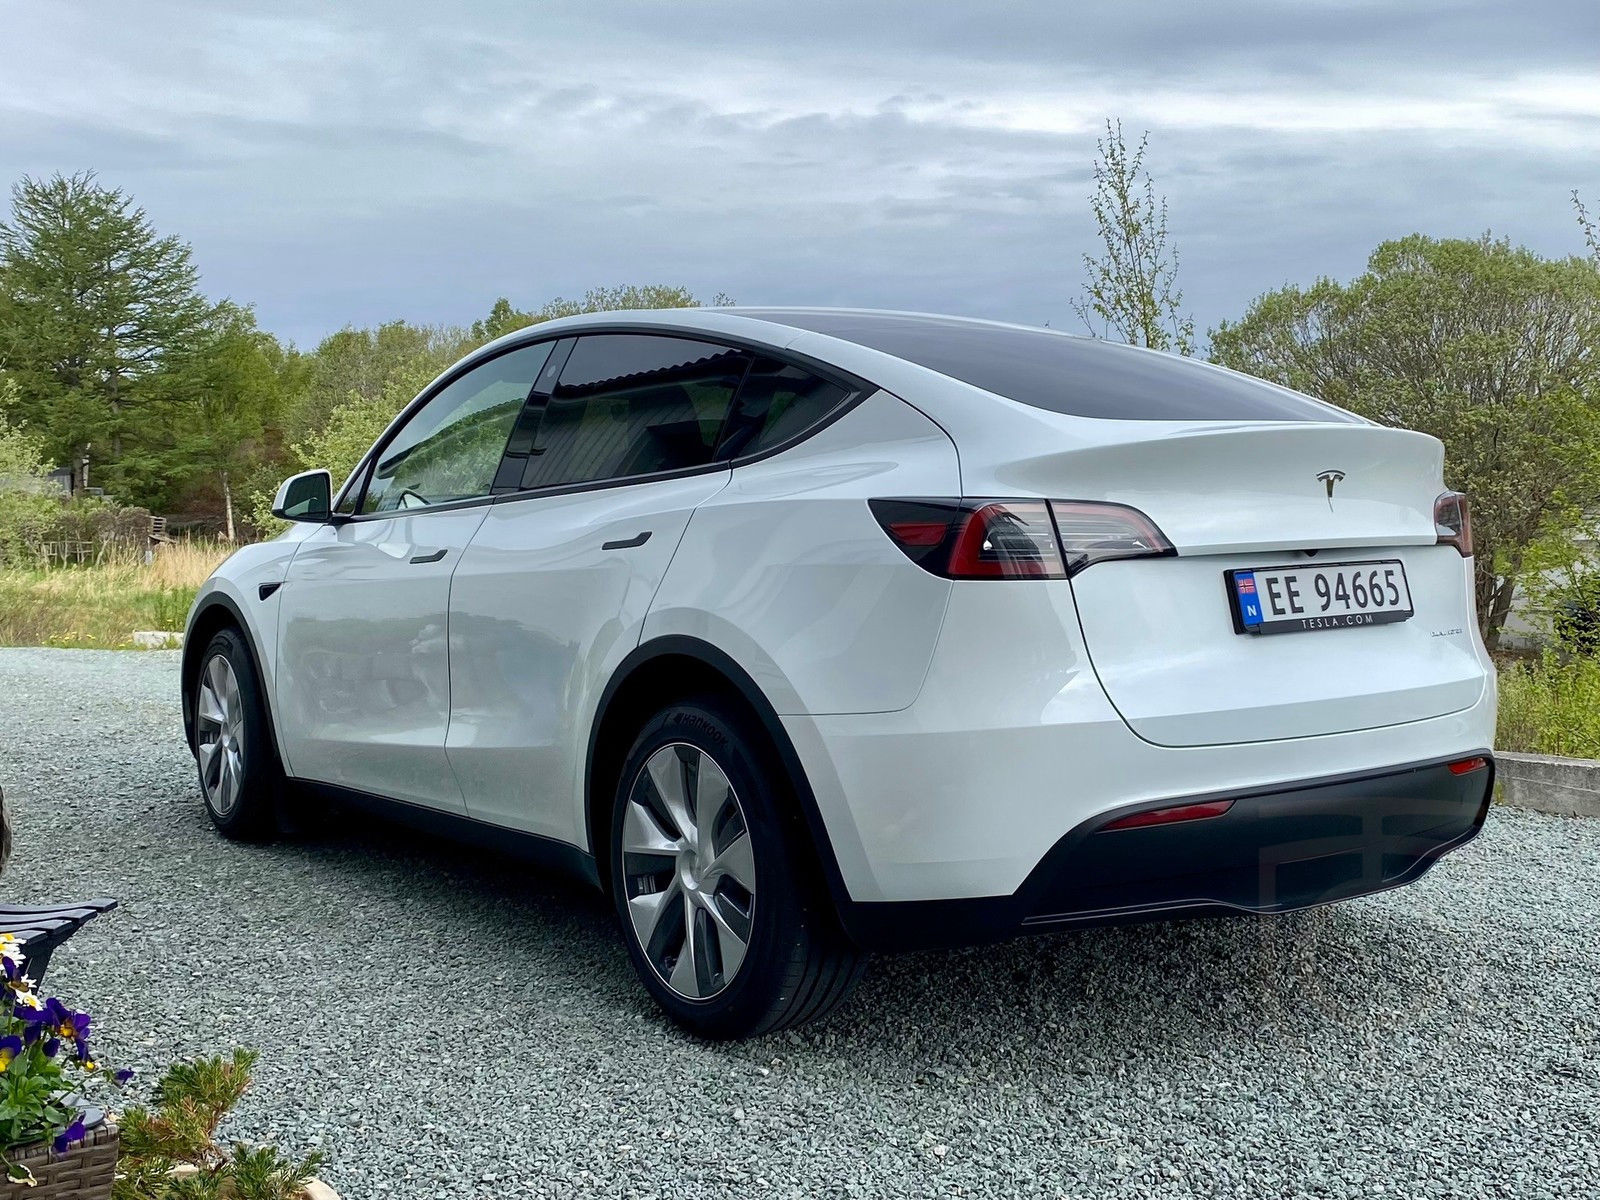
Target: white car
(808, 632)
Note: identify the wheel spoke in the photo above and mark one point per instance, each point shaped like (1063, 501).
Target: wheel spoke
(711, 794)
(737, 862)
(666, 773)
(650, 914)
(686, 974)
(731, 945)
(642, 833)
(210, 708)
(208, 754)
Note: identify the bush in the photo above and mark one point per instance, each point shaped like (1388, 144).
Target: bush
(170, 1152)
(1551, 707)
(31, 520)
(1575, 613)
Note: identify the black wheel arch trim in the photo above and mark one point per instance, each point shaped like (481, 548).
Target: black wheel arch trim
(683, 645)
(190, 663)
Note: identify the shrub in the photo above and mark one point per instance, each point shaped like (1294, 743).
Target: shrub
(1574, 609)
(31, 520)
(170, 1152)
(1551, 707)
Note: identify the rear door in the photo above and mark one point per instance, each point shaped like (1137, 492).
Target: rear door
(553, 591)
(363, 676)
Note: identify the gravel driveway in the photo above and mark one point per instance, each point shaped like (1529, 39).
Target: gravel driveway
(447, 1024)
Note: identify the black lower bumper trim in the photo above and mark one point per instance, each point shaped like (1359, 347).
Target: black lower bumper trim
(1272, 851)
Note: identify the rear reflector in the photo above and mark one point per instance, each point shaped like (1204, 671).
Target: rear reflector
(1466, 766)
(1178, 812)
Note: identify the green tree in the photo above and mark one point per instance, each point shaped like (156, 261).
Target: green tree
(94, 306)
(1131, 291)
(1486, 346)
(365, 363)
(1589, 225)
(229, 392)
(504, 319)
(22, 457)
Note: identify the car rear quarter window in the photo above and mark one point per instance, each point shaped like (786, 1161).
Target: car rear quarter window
(634, 404)
(1080, 376)
(779, 402)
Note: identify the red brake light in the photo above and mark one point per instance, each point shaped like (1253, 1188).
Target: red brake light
(982, 539)
(1452, 522)
(1016, 539)
(1094, 532)
(1169, 816)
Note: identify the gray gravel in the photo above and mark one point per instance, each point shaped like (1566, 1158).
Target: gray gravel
(446, 1024)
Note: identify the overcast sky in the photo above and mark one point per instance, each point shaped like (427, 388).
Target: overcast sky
(354, 162)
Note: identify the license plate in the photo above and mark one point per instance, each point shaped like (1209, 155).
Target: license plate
(1323, 596)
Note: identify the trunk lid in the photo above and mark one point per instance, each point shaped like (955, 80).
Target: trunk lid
(1160, 631)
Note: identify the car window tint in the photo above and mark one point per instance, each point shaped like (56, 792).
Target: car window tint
(634, 404)
(1080, 376)
(779, 401)
(450, 447)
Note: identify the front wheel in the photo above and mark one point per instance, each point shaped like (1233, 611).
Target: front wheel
(722, 921)
(239, 771)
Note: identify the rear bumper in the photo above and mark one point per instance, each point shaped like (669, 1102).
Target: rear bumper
(1290, 847)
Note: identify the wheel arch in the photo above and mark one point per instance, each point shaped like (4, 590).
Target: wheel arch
(675, 666)
(216, 612)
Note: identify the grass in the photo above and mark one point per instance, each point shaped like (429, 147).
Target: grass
(1551, 707)
(99, 607)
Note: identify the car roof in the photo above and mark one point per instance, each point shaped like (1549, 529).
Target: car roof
(1069, 374)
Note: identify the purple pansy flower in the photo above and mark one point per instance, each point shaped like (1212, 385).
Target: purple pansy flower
(72, 1133)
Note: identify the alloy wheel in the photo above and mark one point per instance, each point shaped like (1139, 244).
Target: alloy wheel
(689, 870)
(219, 735)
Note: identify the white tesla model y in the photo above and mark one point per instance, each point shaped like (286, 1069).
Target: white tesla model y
(808, 632)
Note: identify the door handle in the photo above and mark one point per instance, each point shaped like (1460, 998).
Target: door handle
(428, 558)
(638, 539)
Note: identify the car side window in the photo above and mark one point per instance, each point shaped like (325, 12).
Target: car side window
(633, 404)
(779, 401)
(450, 448)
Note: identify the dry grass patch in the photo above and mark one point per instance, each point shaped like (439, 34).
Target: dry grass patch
(100, 607)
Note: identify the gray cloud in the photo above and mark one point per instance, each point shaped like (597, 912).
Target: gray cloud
(363, 162)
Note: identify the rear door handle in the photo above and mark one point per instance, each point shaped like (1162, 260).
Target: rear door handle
(637, 539)
(428, 558)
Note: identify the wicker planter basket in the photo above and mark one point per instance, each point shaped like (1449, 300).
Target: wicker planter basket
(84, 1172)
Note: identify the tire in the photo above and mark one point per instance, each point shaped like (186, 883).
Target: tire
(796, 964)
(242, 799)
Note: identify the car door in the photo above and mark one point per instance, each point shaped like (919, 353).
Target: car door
(552, 593)
(363, 679)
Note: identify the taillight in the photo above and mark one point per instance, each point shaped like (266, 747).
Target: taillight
(976, 539)
(1016, 539)
(1092, 533)
(1465, 766)
(1452, 521)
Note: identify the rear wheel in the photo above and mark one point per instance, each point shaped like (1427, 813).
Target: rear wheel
(723, 923)
(239, 771)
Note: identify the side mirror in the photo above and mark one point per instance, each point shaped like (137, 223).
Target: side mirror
(305, 497)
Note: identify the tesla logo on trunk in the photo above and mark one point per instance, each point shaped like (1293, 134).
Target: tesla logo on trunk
(1329, 478)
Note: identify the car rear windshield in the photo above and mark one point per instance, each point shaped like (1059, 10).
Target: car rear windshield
(1080, 376)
